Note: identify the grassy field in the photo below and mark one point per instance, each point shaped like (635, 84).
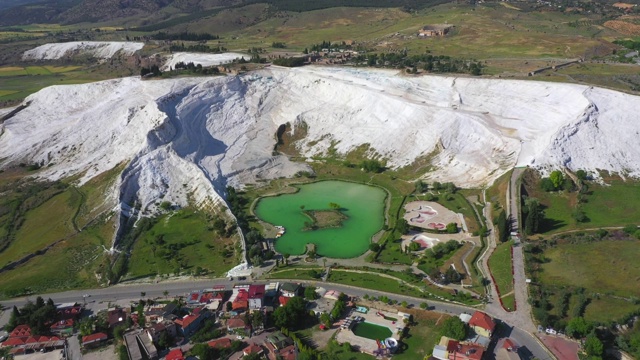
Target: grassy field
(43, 225)
(606, 309)
(295, 273)
(500, 266)
(605, 206)
(69, 265)
(422, 336)
(608, 266)
(181, 241)
(373, 282)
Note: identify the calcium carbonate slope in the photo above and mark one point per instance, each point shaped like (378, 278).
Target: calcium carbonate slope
(188, 139)
(96, 49)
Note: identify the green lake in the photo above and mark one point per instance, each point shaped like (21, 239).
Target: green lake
(362, 204)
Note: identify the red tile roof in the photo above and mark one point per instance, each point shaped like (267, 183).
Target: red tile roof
(94, 337)
(223, 343)
(235, 323)
(252, 349)
(256, 291)
(62, 324)
(187, 320)
(243, 295)
(13, 341)
(284, 300)
(288, 353)
(482, 320)
(21, 330)
(242, 304)
(509, 344)
(175, 354)
(468, 351)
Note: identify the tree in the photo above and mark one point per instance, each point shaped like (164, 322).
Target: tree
(404, 304)
(290, 316)
(556, 178)
(534, 217)
(424, 306)
(143, 294)
(86, 326)
(229, 306)
(454, 328)
(579, 215)
(204, 352)
(593, 346)
(452, 228)
(581, 175)
(375, 247)
(257, 319)
(502, 224)
(118, 332)
(334, 206)
(578, 327)
(286, 258)
(310, 293)
(402, 226)
(165, 293)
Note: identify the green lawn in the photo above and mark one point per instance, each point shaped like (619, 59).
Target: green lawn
(422, 336)
(181, 241)
(296, 273)
(500, 266)
(372, 281)
(609, 266)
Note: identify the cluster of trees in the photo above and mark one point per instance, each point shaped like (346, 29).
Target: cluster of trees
(198, 48)
(503, 226)
(289, 61)
(190, 66)
(292, 315)
(154, 70)
(426, 62)
(300, 6)
(278, 45)
(37, 315)
(454, 328)
(185, 35)
(372, 165)
(208, 331)
(556, 181)
(629, 44)
(255, 252)
(432, 261)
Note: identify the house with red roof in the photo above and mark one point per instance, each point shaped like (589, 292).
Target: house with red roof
(116, 317)
(175, 354)
(482, 324)
(222, 343)
(256, 297)
(241, 302)
(189, 324)
(253, 349)
(235, 324)
(22, 340)
(93, 340)
(62, 327)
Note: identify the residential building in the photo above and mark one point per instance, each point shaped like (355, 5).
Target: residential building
(278, 340)
(482, 324)
(449, 349)
(175, 354)
(253, 349)
(94, 340)
(290, 289)
(23, 341)
(116, 317)
(235, 324)
(256, 297)
(222, 343)
(62, 327)
(189, 324)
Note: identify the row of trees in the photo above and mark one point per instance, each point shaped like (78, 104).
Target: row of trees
(185, 35)
(198, 48)
(37, 315)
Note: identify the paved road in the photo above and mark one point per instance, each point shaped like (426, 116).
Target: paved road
(74, 348)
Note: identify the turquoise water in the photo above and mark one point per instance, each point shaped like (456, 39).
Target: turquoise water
(364, 205)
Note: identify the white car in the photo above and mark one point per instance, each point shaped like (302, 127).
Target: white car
(239, 337)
